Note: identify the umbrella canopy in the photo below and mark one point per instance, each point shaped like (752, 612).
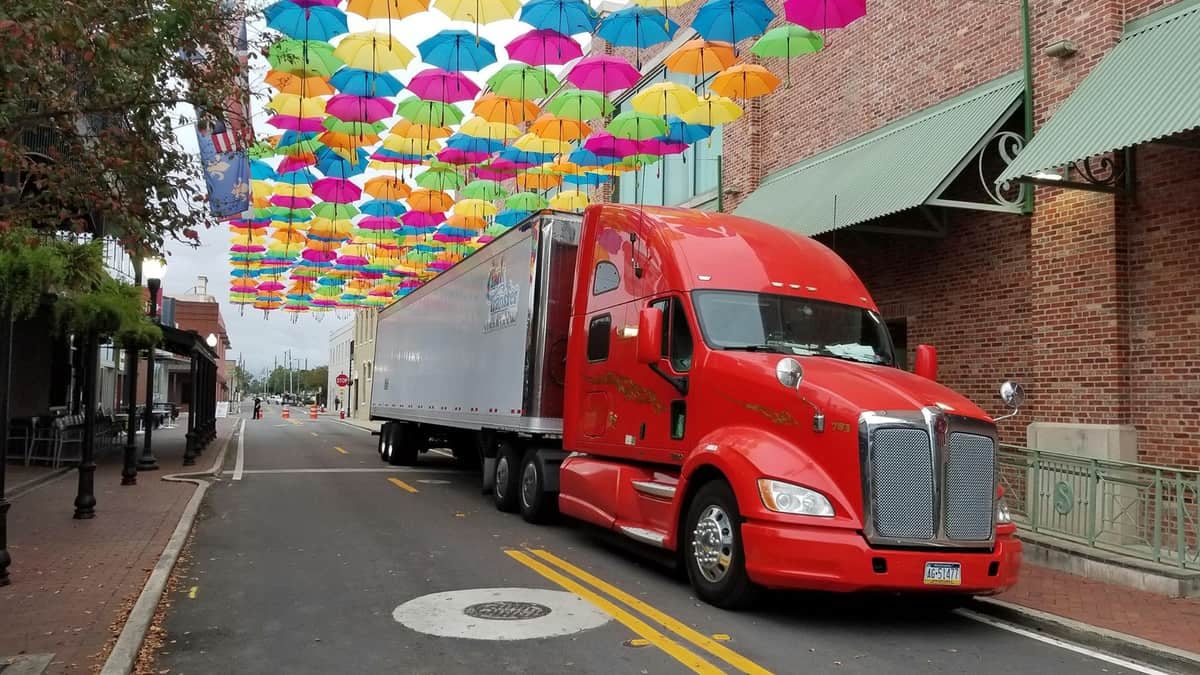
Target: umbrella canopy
(360, 108)
(289, 83)
(430, 201)
(637, 126)
(478, 11)
(304, 58)
(559, 128)
(697, 57)
(387, 188)
(711, 111)
(374, 51)
(435, 84)
(732, 20)
(475, 208)
(788, 41)
(568, 17)
(432, 113)
(580, 105)
(305, 23)
(363, 82)
(386, 9)
(569, 200)
(824, 14)
(637, 27)
(481, 128)
(543, 47)
(488, 190)
(745, 80)
(518, 80)
(665, 98)
(603, 73)
(457, 51)
(496, 108)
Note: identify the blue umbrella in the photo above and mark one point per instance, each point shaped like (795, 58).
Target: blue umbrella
(361, 82)
(585, 157)
(306, 23)
(384, 208)
(524, 157)
(637, 26)
(298, 177)
(568, 17)
(332, 164)
(682, 132)
(457, 51)
(586, 179)
(474, 143)
(260, 170)
(510, 217)
(732, 20)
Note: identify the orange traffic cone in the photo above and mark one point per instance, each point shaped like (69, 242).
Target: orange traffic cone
(287, 413)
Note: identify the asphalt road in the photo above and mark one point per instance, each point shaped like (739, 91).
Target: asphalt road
(319, 558)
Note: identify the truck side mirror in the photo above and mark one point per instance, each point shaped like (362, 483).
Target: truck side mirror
(649, 336)
(926, 365)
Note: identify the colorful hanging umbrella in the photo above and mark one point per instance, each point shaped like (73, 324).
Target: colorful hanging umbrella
(637, 27)
(637, 126)
(580, 105)
(603, 73)
(360, 108)
(475, 208)
(569, 200)
(568, 17)
(697, 57)
(712, 111)
(440, 180)
(539, 179)
(478, 11)
(378, 52)
(822, 15)
(664, 98)
(744, 81)
(435, 84)
(432, 113)
(505, 110)
(289, 83)
(488, 190)
(732, 20)
(457, 51)
(337, 190)
(387, 188)
(543, 47)
(305, 23)
(304, 58)
(786, 42)
(363, 82)
(430, 201)
(559, 128)
(683, 132)
(386, 9)
(518, 80)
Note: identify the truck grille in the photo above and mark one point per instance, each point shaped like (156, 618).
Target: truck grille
(902, 484)
(970, 487)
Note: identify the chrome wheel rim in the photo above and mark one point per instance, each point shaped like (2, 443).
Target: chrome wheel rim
(528, 484)
(712, 543)
(501, 476)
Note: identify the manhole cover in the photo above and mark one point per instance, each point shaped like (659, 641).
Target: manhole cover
(507, 610)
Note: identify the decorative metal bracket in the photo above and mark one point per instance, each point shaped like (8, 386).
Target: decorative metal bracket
(997, 144)
(1112, 174)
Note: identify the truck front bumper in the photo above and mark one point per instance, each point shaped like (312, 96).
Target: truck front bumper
(829, 559)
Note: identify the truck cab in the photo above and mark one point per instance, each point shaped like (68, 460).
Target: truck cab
(732, 396)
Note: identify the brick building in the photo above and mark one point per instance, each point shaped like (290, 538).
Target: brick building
(201, 313)
(887, 146)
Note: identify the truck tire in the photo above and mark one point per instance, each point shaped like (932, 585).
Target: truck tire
(537, 504)
(712, 548)
(508, 478)
(404, 446)
(384, 434)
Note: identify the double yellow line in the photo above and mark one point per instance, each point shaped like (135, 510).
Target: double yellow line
(574, 579)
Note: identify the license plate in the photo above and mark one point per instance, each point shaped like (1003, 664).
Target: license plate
(943, 574)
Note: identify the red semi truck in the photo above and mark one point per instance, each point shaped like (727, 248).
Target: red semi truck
(707, 385)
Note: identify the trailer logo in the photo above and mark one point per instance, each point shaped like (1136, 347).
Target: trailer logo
(503, 295)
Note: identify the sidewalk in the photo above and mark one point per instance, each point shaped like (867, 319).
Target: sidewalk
(74, 580)
(366, 425)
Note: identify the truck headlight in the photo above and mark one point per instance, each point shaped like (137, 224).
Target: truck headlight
(787, 498)
(1002, 513)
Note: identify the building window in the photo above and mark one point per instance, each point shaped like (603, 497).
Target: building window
(675, 179)
(898, 328)
(598, 338)
(607, 278)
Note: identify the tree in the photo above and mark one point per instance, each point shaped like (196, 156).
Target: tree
(92, 97)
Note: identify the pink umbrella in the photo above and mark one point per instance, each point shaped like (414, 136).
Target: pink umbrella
(450, 238)
(337, 190)
(291, 202)
(440, 265)
(378, 223)
(507, 166)
(489, 174)
(318, 256)
(603, 73)
(360, 108)
(435, 84)
(456, 156)
(352, 260)
(422, 219)
(243, 287)
(543, 48)
(247, 248)
(290, 123)
(818, 15)
(655, 146)
(290, 164)
(605, 144)
(269, 286)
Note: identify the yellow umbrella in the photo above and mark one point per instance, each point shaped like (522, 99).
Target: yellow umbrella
(261, 190)
(293, 190)
(479, 127)
(475, 208)
(410, 146)
(665, 98)
(329, 229)
(297, 106)
(378, 52)
(697, 57)
(569, 200)
(386, 9)
(545, 146)
(712, 111)
(478, 11)
(746, 80)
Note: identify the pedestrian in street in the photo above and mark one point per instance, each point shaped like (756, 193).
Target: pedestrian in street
(257, 408)
(337, 403)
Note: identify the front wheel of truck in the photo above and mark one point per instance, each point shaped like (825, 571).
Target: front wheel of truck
(713, 554)
(507, 485)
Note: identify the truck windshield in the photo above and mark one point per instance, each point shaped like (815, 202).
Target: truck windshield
(790, 325)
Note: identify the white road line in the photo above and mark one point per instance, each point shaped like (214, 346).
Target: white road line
(1062, 644)
(241, 456)
(397, 470)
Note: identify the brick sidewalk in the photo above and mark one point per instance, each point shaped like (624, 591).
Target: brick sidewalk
(72, 580)
(1174, 622)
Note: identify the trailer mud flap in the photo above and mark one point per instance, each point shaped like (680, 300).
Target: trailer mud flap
(489, 474)
(551, 461)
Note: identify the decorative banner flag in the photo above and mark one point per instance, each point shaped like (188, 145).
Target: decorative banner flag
(223, 140)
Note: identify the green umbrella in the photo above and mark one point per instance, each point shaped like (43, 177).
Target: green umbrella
(638, 161)
(352, 128)
(638, 126)
(260, 150)
(303, 57)
(334, 211)
(581, 105)
(487, 190)
(526, 201)
(787, 41)
(431, 113)
(517, 80)
(440, 179)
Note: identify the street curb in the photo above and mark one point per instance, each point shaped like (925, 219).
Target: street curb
(352, 425)
(30, 485)
(1110, 641)
(125, 652)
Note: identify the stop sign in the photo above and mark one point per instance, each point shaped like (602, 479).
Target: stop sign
(342, 380)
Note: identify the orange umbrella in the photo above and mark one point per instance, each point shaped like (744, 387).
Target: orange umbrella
(746, 80)
(559, 128)
(698, 57)
(407, 129)
(387, 187)
(466, 222)
(289, 83)
(347, 141)
(430, 201)
(536, 180)
(495, 108)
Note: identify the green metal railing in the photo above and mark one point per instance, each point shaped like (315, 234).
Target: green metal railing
(1140, 510)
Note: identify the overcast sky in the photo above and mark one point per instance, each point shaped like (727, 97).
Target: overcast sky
(261, 340)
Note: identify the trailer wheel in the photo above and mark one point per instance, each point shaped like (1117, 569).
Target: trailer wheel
(537, 504)
(403, 446)
(508, 478)
(384, 439)
(712, 542)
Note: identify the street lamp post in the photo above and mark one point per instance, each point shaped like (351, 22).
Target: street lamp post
(153, 270)
(129, 470)
(211, 341)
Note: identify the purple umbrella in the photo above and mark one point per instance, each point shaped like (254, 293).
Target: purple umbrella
(543, 48)
(422, 219)
(435, 84)
(291, 202)
(606, 145)
(302, 124)
(360, 108)
(338, 190)
(604, 74)
(818, 15)
(456, 156)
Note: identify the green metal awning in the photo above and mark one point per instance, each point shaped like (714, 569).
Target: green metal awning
(1146, 88)
(896, 167)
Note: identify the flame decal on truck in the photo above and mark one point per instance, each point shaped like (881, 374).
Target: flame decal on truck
(629, 390)
(503, 296)
(782, 418)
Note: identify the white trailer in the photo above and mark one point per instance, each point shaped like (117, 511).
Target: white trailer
(480, 348)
